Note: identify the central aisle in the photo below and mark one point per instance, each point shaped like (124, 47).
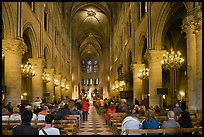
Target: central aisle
(95, 125)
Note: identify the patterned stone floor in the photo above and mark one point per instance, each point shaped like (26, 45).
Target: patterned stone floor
(95, 125)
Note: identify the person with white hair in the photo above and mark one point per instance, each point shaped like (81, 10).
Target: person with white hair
(171, 123)
(130, 123)
(16, 114)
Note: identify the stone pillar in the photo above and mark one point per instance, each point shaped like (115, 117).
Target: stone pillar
(198, 33)
(135, 23)
(57, 88)
(50, 85)
(154, 58)
(63, 93)
(67, 87)
(37, 81)
(13, 50)
(188, 27)
(137, 83)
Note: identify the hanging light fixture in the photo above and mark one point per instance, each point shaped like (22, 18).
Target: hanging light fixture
(62, 85)
(3, 55)
(143, 73)
(67, 86)
(56, 82)
(46, 77)
(27, 70)
(122, 83)
(172, 60)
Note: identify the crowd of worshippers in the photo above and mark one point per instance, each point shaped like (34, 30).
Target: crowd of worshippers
(71, 107)
(42, 111)
(123, 105)
(150, 121)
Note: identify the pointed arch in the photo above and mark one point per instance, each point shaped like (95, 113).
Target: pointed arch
(28, 28)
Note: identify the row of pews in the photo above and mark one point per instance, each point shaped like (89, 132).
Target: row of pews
(115, 122)
(68, 126)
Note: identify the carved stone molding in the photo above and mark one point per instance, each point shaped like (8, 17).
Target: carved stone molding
(154, 55)
(188, 23)
(15, 46)
(198, 22)
(37, 62)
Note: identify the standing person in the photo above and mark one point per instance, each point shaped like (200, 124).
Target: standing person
(37, 102)
(111, 109)
(137, 102)
(25, 128)
(85, 109)
(177, 110)
(9, 107)
(49, 129)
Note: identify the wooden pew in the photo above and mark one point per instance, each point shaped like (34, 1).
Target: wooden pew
(167, 131)
(7, 132)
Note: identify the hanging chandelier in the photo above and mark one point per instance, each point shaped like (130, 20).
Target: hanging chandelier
(56, 82)
(66, 86)
(46, 77)
(143, 73)
(3, 55)
(62, 85)
(27, 70)
(172, 60)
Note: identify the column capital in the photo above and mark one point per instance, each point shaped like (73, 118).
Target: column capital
(39, 62)
(50, 71)
(137, 66)
(154, 55)
(198, 22)
(188, 23)
(58, 77)
(14, 45)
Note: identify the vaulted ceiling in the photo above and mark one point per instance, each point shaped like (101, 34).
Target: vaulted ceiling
(91, 26)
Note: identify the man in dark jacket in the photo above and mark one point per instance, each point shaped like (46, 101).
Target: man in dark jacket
(25, 128)
(57, 114)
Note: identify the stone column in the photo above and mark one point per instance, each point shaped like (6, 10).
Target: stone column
(188, 27)
(154, 58)
(37, 81)
(57, 88)
(13, 50)
(67, 87)
(50, 85)
(63, 93)
(135, 22)
(198, 33)
(137, 83)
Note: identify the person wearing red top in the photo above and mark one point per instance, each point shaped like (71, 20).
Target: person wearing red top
(85, 109)
(43, 113)
(111, 109)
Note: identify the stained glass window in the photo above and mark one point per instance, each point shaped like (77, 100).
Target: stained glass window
(83, 66)
(89, 66)
(95, 66)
